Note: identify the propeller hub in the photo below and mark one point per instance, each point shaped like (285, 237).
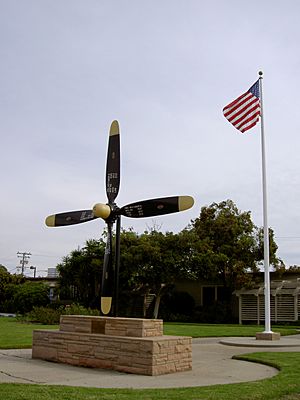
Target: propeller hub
(101, 210)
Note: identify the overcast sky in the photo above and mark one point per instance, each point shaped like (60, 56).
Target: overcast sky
(164, 69)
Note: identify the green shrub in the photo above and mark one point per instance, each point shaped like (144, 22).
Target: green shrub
(77, 309)
(51, 316)
(43, 315)
(21, 298)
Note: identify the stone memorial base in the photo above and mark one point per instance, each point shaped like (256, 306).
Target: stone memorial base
(267, 336)
(130, 345)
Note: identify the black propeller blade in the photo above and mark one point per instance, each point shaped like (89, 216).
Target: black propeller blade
(107, 283)
(112, 190)
(113, 163)
(70, 218)
(153, 207)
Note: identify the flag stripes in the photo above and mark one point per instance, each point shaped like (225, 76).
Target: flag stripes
(244, 112)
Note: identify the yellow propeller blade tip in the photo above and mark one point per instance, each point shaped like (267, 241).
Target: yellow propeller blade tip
(114, 128)
(185, 202)
(105, 304)
(50, 221)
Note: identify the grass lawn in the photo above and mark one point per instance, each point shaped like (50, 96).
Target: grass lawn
(17, 335)
(222, 330)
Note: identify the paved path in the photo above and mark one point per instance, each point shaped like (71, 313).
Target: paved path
(212, 364)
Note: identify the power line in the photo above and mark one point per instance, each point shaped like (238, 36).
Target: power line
(287, 237)
(45, 255)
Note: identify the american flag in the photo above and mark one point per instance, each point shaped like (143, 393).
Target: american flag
(243, 113)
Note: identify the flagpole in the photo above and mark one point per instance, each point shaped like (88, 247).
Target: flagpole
(265, 217)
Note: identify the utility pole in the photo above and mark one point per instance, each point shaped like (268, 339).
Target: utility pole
(24, 259)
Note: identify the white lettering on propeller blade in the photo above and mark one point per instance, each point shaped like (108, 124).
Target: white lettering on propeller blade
(110, 186)
(135, 210)
(85, 215)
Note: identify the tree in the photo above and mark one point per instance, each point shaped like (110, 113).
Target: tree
(7, 283)
(80, 274)
(2, 268)
(29, 295)
(152, 262)
(227, 245)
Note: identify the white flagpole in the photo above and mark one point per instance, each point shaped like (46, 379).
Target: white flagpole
(265, 216)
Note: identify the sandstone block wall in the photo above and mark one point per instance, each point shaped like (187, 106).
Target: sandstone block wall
(77, 343)
(136, 327)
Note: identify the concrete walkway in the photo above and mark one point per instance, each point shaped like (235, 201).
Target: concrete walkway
(212, 364)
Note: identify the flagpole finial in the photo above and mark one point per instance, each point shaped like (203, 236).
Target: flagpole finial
(260, 73)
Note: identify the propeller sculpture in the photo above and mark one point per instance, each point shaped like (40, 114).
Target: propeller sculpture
(111, 213)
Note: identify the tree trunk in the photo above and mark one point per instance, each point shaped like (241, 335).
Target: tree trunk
(158, 297)
(156, 306)
(145, 305)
